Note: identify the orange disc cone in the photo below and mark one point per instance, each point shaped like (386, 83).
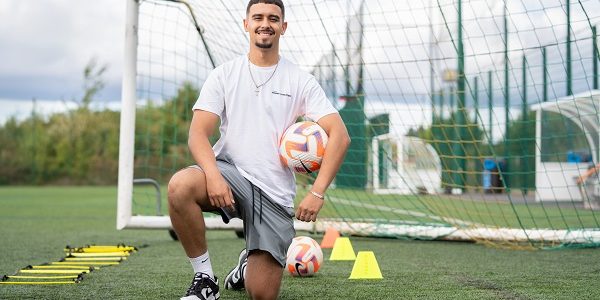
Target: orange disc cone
(331, 234)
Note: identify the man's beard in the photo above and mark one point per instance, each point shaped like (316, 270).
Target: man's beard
(264, 45)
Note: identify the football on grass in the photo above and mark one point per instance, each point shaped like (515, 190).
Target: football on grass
(304, 257)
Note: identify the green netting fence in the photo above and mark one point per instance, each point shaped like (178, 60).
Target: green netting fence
(469, 119)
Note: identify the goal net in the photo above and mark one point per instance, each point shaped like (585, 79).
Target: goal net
(470, 119)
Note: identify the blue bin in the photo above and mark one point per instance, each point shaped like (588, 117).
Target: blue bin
(491, 178)
(578, 157)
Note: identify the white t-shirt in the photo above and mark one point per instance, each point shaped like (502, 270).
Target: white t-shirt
(251, 125)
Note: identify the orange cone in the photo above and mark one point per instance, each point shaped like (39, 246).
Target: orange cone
(331, 234)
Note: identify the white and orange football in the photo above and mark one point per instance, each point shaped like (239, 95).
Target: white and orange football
(304, 257)
(302, 147)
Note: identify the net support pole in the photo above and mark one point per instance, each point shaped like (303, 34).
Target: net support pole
(506, 84)
(127, 127)
(431, 66)
(545, 74)
(595, 56)
(569, 62)
(453, 136)
(523, 159)
(376, 162)
(462, 113)
(524, 97)
(442, 95)
(506, 98)
(539, 169)
(490, 107)
(476, 99)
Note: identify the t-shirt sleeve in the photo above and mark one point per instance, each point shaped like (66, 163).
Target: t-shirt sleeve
(317, 105)
(211, 96)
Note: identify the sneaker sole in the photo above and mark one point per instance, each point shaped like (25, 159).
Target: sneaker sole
(227, 279)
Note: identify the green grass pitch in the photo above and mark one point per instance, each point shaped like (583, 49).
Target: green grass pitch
(37, 222)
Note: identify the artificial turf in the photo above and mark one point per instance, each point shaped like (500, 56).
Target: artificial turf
(37, 222)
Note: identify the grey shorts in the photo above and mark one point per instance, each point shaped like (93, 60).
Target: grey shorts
(268, 226)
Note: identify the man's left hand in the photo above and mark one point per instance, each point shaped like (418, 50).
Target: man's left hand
(309, 208)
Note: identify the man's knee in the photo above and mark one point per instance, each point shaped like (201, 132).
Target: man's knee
(179, 190)
(266, 292)
(263, 276)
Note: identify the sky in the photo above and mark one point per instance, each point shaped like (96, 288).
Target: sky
(45, 46)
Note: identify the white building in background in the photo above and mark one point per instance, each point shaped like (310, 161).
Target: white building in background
(404, 165)
(400, 164)
(557, 180)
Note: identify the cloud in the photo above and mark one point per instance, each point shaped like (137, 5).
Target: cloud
(46, 45)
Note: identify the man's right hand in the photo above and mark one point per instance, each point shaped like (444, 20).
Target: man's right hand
(202, 126)
(219, 192)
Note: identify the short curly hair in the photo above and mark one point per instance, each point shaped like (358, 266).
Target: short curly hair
(276, 2)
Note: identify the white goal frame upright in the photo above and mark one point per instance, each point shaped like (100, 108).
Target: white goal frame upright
(127, 123)
(125, 217)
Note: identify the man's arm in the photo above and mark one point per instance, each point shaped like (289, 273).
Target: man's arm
(335, 151)
(201, 128)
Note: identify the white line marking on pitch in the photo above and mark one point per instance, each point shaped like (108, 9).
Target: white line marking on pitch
(404, 212)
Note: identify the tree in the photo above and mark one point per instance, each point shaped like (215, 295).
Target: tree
(93, 82)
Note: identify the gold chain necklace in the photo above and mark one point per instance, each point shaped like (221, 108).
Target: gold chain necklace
(258, 86)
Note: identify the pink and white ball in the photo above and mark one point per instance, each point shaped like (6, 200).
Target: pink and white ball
(304, 257)
(302, 146)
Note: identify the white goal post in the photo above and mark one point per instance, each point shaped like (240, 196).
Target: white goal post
(125, 218)
(127, 123)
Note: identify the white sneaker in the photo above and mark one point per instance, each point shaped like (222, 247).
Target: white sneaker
(235, 278)
(203, 287)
